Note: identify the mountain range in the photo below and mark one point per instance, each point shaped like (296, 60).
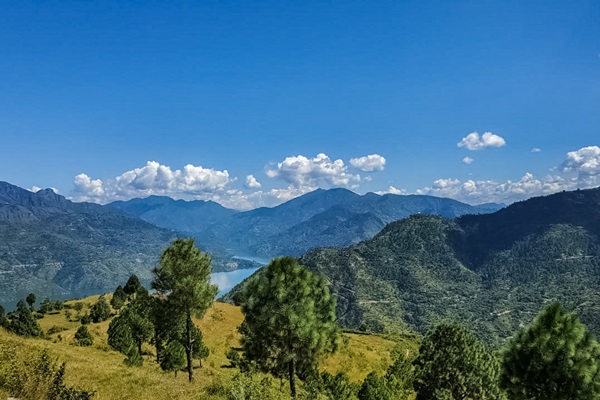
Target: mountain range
(322, 218)
(54, 247)
(491, 272)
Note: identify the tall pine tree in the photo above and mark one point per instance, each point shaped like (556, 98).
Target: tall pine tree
(555, 358)
(183, 279)
(289, 320)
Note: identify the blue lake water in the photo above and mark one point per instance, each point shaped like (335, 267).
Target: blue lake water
(225, 281)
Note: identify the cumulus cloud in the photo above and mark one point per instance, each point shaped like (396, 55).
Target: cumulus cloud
(468, 160)
(585, 163)
(474, 142)
(152, 179)
(392, 190)
(320, 171)
(484, 191)
(370, 163)
(251, 182)
(536, 150)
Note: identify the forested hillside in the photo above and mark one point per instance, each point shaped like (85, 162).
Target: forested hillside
(491, 272)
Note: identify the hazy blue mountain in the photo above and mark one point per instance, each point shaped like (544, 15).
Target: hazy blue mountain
(350, 219)
(491, 272)
(184, 216)
(54, 247)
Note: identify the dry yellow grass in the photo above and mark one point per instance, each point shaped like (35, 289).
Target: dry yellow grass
(101, 369)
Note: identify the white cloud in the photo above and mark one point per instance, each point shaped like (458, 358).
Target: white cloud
(473, 142)
(251, 182)
(392, 190)
(370, 163)
(320, 171)
(484, 191)
(468, 160)
(585, 162)
(536, 150)
(152, 179)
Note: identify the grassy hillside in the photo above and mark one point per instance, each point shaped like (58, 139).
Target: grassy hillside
(101, 369)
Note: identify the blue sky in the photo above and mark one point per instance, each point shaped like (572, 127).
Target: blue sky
(112, 100)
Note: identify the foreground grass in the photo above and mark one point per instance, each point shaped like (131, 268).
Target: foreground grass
(101, 369)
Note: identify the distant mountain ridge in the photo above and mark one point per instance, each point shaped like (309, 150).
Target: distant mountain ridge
(492, 272)
(55, 247)
(333, 217)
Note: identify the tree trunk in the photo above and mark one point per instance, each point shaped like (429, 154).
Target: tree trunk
(292, 373)
(188, 347)
(139, 346)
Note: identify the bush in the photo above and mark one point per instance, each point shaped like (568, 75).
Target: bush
(36, 376)
(83, 337)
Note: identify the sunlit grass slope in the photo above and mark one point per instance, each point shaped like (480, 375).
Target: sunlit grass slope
(101, 369)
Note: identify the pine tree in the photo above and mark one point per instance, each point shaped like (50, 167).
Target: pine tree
(132, 286)
(100, 311)
(173, 357)
(83, 337)
(374, 387)
(400, 377)
(453, 364)
(553, 359)
(119, 298)
(183, 279)
(30, 300)
(289, 320)
(22, 322)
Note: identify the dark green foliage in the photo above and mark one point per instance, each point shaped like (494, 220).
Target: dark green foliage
(374, 387)
(30, 299)
(100, 311)
(234, 358)
(119, 298)
(83, 337)
(48, 306)
(3, 320)
(553, 359)
(333, 387)
(453, 364)
(86, 319)
(173, 357)
(22, 322)
(119, 334)
(400, 378)
(134, 357)
(289, 320)
(129, 330)
(132, 286)
(183, 280)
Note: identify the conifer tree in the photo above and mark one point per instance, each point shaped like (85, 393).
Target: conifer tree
(22, 322)
(83, 337)
(118, 299)
(100, 311)
(183, 279)
(374, 387)
(289, 320)
(30, 300)
(173, 357)
(553, 359)
(453, 364)
(132, 286)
